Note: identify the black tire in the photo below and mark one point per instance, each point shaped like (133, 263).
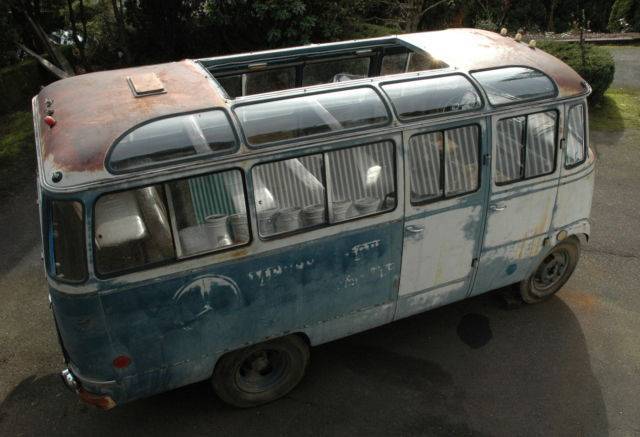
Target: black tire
(552, 272)
(261, 373)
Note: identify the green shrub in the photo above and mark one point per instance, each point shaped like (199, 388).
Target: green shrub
(598, 68)
(18, 84)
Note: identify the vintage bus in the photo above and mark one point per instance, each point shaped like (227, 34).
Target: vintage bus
(215, 218)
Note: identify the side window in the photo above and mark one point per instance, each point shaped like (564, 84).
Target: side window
(289, 194)
(132, 230)
(509, 145)
(209, 212)
(525, 146)
(361, 180)
(394, 63)
(150, 225)
(444, 163)
(576, 145)
(336, 70)
(425, 155)
(67, 229)
(257, 82)
(292, 194)
(462, 150)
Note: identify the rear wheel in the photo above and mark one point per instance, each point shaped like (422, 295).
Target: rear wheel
(552, 273)
(261, 373)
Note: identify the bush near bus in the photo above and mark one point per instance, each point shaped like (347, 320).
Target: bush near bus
(596, 67)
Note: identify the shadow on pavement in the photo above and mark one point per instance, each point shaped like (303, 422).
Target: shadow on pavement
(19, 219)
(469, 368)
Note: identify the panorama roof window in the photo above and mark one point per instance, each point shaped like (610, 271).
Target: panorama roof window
(424, 97)
(173, 139)
(297, 117)
(515, 84)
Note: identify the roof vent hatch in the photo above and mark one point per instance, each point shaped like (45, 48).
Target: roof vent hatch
(147, 84)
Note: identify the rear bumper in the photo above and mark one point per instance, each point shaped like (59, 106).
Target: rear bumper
(86, 389)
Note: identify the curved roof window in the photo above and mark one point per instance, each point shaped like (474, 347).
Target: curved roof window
(437, 95)
(297, 117)
(172, 139)
(515, 84)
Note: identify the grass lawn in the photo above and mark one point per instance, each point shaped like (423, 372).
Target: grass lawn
(618, 110)
(17, 151)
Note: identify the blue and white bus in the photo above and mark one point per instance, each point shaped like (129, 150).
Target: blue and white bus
(215, 218)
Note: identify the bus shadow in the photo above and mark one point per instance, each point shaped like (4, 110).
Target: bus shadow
(474, 367)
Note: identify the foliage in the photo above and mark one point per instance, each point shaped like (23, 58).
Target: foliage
(625, 15)
(17, 152)
(598, 67)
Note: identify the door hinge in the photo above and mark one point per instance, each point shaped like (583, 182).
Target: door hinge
(474, 263)
(486, 158)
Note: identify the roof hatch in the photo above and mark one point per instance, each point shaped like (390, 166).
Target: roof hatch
(146, 84)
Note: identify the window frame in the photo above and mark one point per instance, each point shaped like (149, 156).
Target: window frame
(50, 245)
(406, 120)
(321, 136)
(516, 102)
(175, 259)
(326, 179)
(172, 162)
(524, 150)
(585, 145)
(442, 176)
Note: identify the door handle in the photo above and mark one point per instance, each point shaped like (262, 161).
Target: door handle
(413, 229)
(498, 207)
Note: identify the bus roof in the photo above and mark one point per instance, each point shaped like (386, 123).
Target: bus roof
(92, 111)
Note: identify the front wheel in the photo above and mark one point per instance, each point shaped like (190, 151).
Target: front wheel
(261, 373)
(552, 273)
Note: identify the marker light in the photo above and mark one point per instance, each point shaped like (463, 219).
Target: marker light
(121, 361)
(51, 122)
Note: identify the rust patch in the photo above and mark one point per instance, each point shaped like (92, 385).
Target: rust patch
(93, 110)
(474, 49)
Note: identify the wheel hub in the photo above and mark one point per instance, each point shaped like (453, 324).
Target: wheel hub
(551, 270)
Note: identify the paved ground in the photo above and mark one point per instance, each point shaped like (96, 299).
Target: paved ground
(568, 367)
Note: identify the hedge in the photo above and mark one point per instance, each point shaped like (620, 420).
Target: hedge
(598, 68)
(18, 84)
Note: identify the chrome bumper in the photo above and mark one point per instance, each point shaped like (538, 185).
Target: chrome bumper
(104, 402)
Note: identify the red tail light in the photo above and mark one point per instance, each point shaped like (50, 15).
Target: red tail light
(122, 361)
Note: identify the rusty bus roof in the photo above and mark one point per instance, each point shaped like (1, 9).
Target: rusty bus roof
(94, 110)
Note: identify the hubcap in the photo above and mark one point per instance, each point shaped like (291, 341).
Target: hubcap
(551, 270)
(261, 370)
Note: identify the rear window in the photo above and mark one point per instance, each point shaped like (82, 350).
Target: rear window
(419, 98)
(173, 139)
(513, 84)
(67, 244)
(297, 117)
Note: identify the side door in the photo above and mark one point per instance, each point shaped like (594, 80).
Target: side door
(444, 214)
(524, 183)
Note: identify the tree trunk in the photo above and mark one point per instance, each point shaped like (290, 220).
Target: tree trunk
(413, 15)
(122, 37)
(551, 26)
(79, 44)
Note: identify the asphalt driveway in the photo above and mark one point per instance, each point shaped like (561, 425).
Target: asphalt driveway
(570, 366)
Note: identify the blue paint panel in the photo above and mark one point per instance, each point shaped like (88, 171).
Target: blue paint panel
(164, 325)
(84, 333)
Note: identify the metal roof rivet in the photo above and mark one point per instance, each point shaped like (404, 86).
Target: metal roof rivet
(56, 176)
